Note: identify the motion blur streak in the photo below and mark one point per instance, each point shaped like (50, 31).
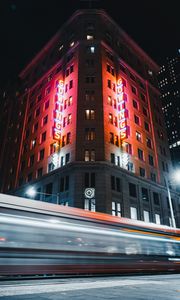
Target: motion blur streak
(56, 240)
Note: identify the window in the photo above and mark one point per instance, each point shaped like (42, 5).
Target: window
(138, 136)
(90, 79)
(146, 126)
(133, 89)
(41, 154)
(156, 198)
(48, 90)
(39, 172)
(145, 113)
(111, 138)
(116, 140)
(112, 158)
(133, 213)
(67, 159)
(146, 216)
(68, 140)
(33, 143)
(128, 148)
(153, 177)
(89, 155)
(157, 219)
(145, 196)
(116, 209)
(132, 190)
(35, 127)
(39, 97)
(90, 204)
(69, 119)
(135, 104)
(140, 154)
(53, 148)
(111, 118)
(148, 143)
(43, 137)
(31, 160)
(109, 83)
(143, 98)
(142, 172)
(37, 112)
(89, 180)
(45, 120)
(70, 84)
(48, 190)
(46, 105)
(151, 160)
(89, 114)
(89, 134)
(89, 95)
(136, 120)
(63, 140)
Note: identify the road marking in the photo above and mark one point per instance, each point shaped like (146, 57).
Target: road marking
(53, 288)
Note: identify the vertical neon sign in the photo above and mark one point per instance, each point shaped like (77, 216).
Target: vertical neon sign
(58, 111)
(122, 97)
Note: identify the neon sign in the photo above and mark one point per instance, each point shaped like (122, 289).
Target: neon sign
(121, 98)
(58, 111)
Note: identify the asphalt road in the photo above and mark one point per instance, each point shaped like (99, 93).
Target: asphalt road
(154, 287)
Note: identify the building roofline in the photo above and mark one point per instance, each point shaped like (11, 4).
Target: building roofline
(74, 15)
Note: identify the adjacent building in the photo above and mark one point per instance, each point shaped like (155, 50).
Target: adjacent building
(169, 84)
(89, 131)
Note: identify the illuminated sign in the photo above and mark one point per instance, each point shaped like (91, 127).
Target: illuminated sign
(58, 111)
(121, 99)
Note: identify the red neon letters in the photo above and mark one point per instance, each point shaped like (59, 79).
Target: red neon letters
(58, 111)
(121, 97)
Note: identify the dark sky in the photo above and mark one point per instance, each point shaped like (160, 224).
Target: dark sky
(26, 26)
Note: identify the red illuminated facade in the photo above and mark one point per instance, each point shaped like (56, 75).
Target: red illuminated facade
(89, 136)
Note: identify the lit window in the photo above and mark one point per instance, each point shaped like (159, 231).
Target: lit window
(116, 209)
(133, 213)
(157, 219)
(138, 136)
(146, 216)
(92, 49)
(89, 37)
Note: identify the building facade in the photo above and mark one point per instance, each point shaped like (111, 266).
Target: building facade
(169, 84)
(93, 134)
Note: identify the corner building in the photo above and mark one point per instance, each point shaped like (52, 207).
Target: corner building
(90, 137)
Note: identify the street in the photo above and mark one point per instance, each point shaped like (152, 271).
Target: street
(148, 287)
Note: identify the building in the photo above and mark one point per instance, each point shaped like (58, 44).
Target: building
(92, 129)
(169, 84)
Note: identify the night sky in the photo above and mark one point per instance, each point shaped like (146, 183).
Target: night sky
(27, 25)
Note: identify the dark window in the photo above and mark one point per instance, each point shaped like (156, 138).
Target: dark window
(156, 198)
(41, 154)
(112, 158)
(136, 120)
(145, 111)
(132, 190)
(111, 138)
(43, 137)
(39, 172)
(151, 160)
(70, 84)
(143, 98)
(36, 127)
(145, 196)
(46, 104)
(37, 113)
(109, 83)
(31, 160)
(48, 189)
(146, 126)
(135, 104)
(133, 89)
(68, 140)
(67, 158)
(153, 177)
(149, 143)
(142, 172)
(45, 120)
(140, 154)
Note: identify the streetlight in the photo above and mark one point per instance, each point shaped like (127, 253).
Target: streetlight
(176, 177)
(170, 204)
(32, 192)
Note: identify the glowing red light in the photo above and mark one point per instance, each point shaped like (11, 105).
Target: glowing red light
(58, 109)
(121, 98)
